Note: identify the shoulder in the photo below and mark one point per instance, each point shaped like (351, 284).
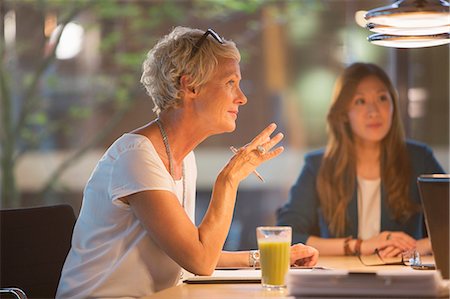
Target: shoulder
(130, 143)
(422, 158)
(314, 157)
(133, 141)
(417, 148)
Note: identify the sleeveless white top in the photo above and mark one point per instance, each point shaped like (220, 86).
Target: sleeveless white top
(112, 255)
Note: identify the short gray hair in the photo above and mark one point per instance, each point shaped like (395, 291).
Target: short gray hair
(171, 58)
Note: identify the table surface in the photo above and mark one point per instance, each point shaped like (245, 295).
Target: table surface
(249, 290)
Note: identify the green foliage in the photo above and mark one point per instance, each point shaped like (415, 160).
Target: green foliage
(122, 98)
(167, 11)
(129, 60)
(128, 29)
(52, 81)
(110, 40)
(224, 7)
(38, 119)
(79, 112)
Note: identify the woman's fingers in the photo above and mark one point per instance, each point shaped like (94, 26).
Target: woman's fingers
(272, 142)
(250, 156)
(303, 255)
(263, 136)
(399, 239)
(263, 143)
(405, 239)
(390, 251)
(260, 148)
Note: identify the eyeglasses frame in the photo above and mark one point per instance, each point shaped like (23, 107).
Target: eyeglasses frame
(202, 39)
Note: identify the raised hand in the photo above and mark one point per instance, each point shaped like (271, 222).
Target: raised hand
(250, 156)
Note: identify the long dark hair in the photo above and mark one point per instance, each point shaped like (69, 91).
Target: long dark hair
(337, 174)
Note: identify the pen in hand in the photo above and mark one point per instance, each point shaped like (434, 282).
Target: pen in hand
(234, 150)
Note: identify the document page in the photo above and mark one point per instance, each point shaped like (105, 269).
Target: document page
(383, 283)
(239, 275)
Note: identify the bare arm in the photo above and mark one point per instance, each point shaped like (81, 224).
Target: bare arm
(198, 249)
(234, 259)
(195, 249)
(301, 255)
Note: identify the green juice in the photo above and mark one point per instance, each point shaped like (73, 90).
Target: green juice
(274, 259)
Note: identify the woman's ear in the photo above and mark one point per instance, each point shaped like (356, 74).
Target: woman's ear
(185, 83)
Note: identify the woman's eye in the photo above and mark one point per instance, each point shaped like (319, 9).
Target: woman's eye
(359, 101)
(383, 98)
(231, 82)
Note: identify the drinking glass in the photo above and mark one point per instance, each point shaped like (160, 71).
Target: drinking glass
(274, 244)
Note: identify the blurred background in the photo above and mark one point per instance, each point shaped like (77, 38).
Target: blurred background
(70, 73)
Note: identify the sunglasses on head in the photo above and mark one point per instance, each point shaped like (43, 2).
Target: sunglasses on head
(202, 39)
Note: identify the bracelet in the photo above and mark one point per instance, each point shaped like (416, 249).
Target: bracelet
(347, 250)
(253, 258)
(358, 247)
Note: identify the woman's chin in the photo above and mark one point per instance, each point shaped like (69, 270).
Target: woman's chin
(227, 129)
(231, 127)
(224, 127)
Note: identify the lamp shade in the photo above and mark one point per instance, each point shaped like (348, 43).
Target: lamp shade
(407, 31)
(410, 24)
(411, 14)
(421, 41)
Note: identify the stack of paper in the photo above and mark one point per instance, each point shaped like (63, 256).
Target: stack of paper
(387, 283)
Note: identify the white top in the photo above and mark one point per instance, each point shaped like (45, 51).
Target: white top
(369, 208)
(112, 255)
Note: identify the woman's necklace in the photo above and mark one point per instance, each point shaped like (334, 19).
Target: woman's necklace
(169, 156)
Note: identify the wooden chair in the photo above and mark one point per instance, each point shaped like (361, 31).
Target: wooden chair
(33, 247)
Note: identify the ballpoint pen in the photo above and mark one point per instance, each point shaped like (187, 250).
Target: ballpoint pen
(234, 150)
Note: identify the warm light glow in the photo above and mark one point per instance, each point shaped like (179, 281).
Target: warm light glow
(71, 41)
(50, 24)
(412, 19)
(417, 97)
(10, 27)
(409, 41)
(359, 18)
(408, 31)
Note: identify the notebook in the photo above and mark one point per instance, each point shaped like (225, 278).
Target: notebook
(435, 197)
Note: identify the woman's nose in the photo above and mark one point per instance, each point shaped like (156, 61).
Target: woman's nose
(372, 108)
(242, 99)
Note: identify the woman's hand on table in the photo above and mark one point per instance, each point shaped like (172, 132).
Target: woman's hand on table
(303, 255)
(388, 244)
(424, 246)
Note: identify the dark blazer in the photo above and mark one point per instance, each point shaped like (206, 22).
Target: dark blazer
(302, 212)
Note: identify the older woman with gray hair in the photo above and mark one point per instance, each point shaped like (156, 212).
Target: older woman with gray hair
(136, 230)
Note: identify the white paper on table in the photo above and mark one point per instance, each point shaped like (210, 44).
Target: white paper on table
(235, 275)
(360, 284)
(244, 275)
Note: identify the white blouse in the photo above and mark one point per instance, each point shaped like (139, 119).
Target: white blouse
(369, 208)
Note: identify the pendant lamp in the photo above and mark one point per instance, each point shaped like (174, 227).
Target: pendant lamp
(410, 24)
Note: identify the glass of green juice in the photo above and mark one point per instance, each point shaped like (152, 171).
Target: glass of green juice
(274, 244)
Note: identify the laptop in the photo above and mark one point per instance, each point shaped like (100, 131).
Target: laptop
(435, 197)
